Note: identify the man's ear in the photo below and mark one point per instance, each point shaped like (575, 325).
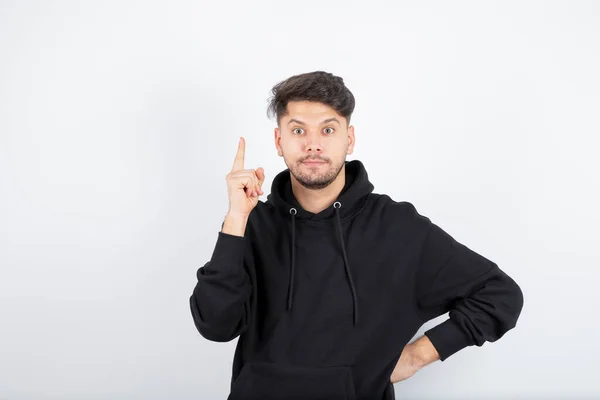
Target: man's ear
(277, 138)
(351, 139)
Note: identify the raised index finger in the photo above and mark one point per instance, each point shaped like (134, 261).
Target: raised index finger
(238, 163)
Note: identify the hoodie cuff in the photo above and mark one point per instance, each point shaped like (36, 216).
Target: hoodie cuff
(448, 338)
(229, 250)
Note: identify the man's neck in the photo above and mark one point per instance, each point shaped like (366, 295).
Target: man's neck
(316, 201)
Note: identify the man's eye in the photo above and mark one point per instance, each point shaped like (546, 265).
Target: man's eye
(297, 129)
(330, 130)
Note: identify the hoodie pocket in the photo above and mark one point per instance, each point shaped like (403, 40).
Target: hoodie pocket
(268, 381)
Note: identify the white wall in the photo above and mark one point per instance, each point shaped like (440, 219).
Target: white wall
(119, 121)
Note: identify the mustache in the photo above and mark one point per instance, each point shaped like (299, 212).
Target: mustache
(314, 159)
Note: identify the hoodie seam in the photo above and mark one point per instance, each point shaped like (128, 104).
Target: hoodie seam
(415, 271)
(414, 278)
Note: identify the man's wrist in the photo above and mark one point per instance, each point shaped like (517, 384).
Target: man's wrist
(235, 224)
(423, 352)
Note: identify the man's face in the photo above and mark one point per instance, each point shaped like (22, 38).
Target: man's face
(314, 141)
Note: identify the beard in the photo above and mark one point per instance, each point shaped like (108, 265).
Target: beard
(317, 177)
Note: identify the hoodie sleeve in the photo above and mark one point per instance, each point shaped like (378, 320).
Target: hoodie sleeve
(220, 302)
(483, 302)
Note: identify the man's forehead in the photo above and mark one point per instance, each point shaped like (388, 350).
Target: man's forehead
(313, 113)
(319, 121)
(308, 106)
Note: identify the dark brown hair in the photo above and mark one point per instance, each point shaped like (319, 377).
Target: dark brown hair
(319, 86)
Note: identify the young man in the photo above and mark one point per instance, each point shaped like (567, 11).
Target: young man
(326, 282)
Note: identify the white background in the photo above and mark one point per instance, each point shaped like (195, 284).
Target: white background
(120, 119)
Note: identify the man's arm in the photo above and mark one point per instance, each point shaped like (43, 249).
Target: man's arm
(220, 302)
(482, 300)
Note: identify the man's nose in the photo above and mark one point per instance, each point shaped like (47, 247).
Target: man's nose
(313, 143)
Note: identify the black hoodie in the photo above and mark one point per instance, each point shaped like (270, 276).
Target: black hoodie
(323, 304)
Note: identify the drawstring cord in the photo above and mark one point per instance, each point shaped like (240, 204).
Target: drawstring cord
(293, 211)
(346, 263)
(337, 205)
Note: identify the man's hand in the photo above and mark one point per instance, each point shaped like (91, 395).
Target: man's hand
(415, 356)
(244, 186)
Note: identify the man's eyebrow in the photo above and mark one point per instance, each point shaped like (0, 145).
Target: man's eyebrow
(332, 119)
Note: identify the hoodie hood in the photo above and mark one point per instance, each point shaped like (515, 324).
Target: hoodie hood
(355, 190)
(350, 200)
